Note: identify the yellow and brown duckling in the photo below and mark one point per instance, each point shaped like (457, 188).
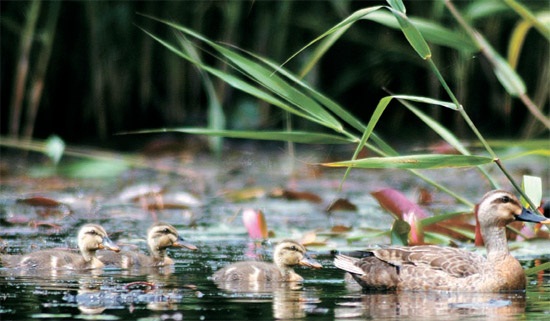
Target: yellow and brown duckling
(286, 256)
(91, 237)
(160, 237)
(428, 267)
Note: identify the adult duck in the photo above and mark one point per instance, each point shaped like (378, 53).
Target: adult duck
(428, 267)
(160, 237)
(91, 237)
(286, 256)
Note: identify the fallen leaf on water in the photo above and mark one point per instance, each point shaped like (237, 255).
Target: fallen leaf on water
(46, 207)
(245, 194)
(136, 192)
(425, 197)
(340, 229)
(310, 239)
(341, 204)
(296, 195)
(39, 201)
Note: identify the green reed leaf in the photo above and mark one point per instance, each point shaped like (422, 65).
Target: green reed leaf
(414, 37)
(294, 136)
(422, 161)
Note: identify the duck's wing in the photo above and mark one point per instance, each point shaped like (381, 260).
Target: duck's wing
(46, 259)
(369, 271)
(124, 259)
(453, 261)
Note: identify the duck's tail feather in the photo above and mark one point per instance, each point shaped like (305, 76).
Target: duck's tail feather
(347, 263)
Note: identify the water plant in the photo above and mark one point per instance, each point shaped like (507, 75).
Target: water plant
(271, 82)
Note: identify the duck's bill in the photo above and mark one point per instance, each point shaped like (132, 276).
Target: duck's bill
(309, 262)
(528, 216)
(183, 243)
(109, 245)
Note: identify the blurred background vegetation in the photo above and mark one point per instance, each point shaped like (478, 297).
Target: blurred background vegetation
(84, 70)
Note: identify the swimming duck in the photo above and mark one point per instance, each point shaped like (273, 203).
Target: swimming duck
(287, 254)
(430, 267)
(91, 237)
(160, 237)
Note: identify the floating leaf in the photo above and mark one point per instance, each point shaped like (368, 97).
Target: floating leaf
(297, 195)
(340, 229)
(255, 223)
(341, 204)
(40, 201)
(245, 194)
(310, 239)
(424, 196)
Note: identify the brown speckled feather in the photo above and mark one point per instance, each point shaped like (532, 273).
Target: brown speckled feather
(449, 269)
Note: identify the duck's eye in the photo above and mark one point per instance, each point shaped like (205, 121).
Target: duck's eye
(166, 230)
(293, 248)
(506, 199)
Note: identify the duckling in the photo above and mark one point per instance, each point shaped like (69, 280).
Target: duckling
(430, 267)
(287, 254)
(160, 236)
(91, 237)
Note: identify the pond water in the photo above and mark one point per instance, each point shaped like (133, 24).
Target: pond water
(202, 205)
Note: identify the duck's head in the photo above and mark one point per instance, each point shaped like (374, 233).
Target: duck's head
(501, 208)
(162, 236)
(93, 237)
(290, 253)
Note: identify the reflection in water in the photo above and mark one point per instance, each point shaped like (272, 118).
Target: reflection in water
(152, 292)
(95, 291)
(452, 306)
(290, 301)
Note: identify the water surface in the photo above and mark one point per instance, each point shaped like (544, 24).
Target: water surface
(197, 204)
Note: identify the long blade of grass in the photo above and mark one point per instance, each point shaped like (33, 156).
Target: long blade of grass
(507, 76)
(294, 136)
(236, 82)
(414, 37)
(427, 100)
(398, 5)
(338, 110)
(527, 15)
(422, 161)
(432, 32)
(266, 78)
(441, 217)
(382, 104)
(537, 269)
(216, 116)
(344, 24)
(322, 99)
